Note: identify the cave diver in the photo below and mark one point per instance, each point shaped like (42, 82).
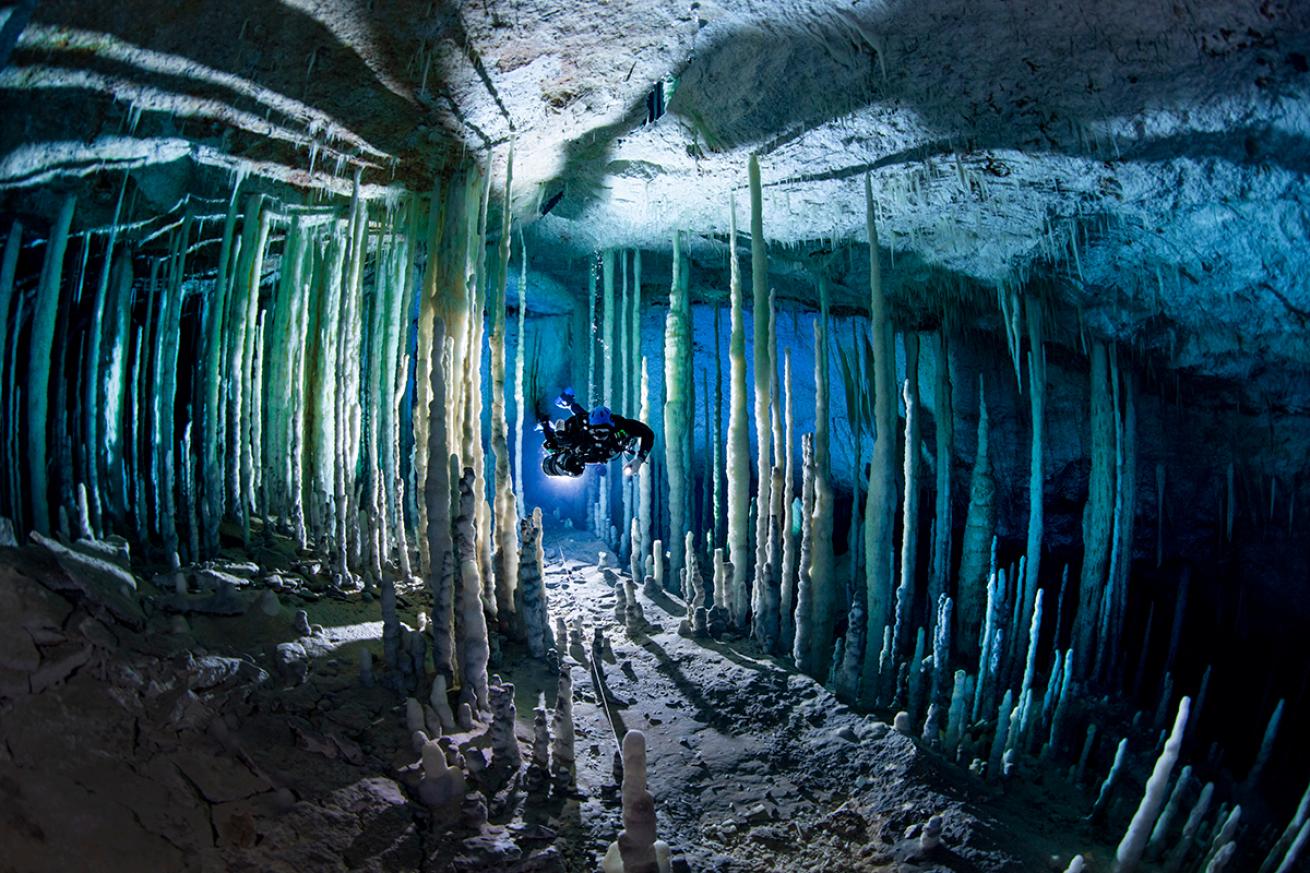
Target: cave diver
(586, 437)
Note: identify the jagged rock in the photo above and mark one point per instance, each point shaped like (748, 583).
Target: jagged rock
(101, 582)
(225, 601)
(292, 663)
(212, 579)
(212, 671)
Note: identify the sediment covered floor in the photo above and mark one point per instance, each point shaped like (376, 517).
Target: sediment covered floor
(180, 737)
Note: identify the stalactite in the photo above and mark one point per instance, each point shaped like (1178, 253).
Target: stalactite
(39, 361)
(1097, 515)
(763, 373)
(678, 412)
(505, 560)
(881, 503)
(939, 572)
(975, 547)
(738, 448)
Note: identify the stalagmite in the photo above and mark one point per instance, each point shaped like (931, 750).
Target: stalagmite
(442, 561)
(1111, 778)
(1298, 848)
(956, 715)
(827, 598)
(644, 476)
(1036, 479)
(1224, 834)
(441, 784)
(504, 745)
(39, 361)
(8, 269)
(977, 538)
(520, 409)
(880, 506)
(1295, 831)
(561, 751)
(636, 842)
(1160, 832)
(787, 596)
(910, 505)
(1266, 748)
(531, 593)
(803, 642)
(439, 700)
(602, 479)
(939, 570)
(1097, 515)
(763, 373)
(473, 650)
(1129, 853)
(695, 585)
(505, 554)
(678, 411)
(1190, 828)
(738, 448)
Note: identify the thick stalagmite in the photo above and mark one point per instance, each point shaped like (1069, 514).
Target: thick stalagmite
(787, 597)
(762, 362)
(975, 546)
(505, 560)
(473, 651)
(1098, 513)
(678, 409)
(880, 506)
(437, 537)
(738, 449)
(910, 505)
(939, 570)
(531, 593)
(39, 361)
(1036, 479)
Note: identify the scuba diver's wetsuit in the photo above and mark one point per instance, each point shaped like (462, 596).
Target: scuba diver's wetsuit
(595, 437)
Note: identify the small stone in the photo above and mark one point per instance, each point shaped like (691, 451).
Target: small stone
(301, 623)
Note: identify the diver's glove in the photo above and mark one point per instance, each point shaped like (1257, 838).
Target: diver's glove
(566, 399)
(631, 468)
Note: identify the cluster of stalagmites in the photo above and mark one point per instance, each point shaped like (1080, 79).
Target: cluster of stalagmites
(457, 778)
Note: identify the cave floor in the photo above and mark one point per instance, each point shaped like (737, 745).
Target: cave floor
(167, 747)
